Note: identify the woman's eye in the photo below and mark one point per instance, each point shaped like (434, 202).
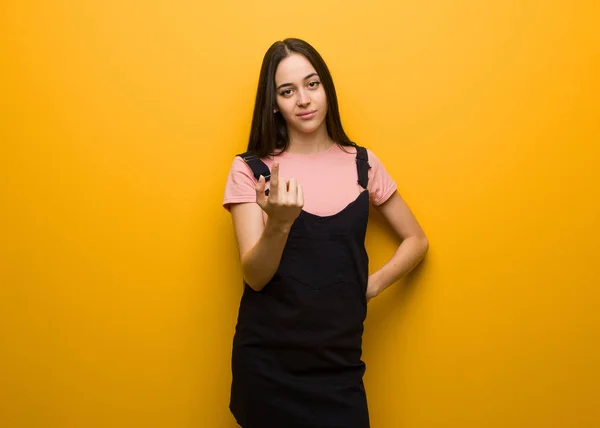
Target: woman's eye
(314, 84)
(285, 93)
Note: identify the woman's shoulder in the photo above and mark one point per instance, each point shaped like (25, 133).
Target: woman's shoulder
(352, 150)
(247, 164)
(239, 163)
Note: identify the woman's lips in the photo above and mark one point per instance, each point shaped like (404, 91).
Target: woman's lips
(307, 115)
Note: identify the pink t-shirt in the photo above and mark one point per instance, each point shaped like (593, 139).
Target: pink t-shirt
(329, 179)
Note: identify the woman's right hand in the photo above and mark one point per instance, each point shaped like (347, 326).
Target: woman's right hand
(285, 200)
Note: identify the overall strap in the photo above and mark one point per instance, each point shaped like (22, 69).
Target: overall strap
(257, 166)
(362, 166)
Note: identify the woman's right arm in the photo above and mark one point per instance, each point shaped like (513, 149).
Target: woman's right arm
(261, 244)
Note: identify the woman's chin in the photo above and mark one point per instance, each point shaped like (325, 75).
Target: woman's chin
(308, 128)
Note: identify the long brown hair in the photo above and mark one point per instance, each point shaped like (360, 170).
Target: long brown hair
(269, 133)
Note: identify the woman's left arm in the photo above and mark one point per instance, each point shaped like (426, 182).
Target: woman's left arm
(412, 249)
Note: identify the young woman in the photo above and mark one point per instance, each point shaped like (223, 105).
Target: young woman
(299, 199)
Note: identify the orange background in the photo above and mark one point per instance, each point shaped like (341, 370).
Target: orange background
(119, 276)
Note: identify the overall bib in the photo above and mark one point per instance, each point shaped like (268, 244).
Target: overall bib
(296, 360)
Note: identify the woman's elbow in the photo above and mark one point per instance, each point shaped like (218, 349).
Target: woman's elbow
(254, 283)
(422, 245)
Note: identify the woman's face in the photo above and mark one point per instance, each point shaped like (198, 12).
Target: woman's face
(300, 96)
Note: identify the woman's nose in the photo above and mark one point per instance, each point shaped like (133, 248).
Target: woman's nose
(303, 98)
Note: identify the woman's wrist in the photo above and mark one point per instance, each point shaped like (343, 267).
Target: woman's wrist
(275, 228)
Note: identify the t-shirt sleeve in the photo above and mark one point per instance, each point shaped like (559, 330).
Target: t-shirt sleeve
(381, 184)
(240, 184)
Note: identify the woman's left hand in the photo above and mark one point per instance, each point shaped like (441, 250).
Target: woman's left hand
(373, 288)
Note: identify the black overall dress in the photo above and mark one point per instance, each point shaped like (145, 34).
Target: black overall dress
(296, 360)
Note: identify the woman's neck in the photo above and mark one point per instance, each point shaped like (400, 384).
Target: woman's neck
(314, 142)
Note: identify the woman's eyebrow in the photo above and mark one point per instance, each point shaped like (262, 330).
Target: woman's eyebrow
(291, 84)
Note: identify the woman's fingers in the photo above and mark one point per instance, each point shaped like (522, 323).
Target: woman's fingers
(285, 195)
(274, 189)
(292, 195)
(300, 198)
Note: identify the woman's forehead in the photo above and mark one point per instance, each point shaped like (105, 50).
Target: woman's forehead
(292, 69)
